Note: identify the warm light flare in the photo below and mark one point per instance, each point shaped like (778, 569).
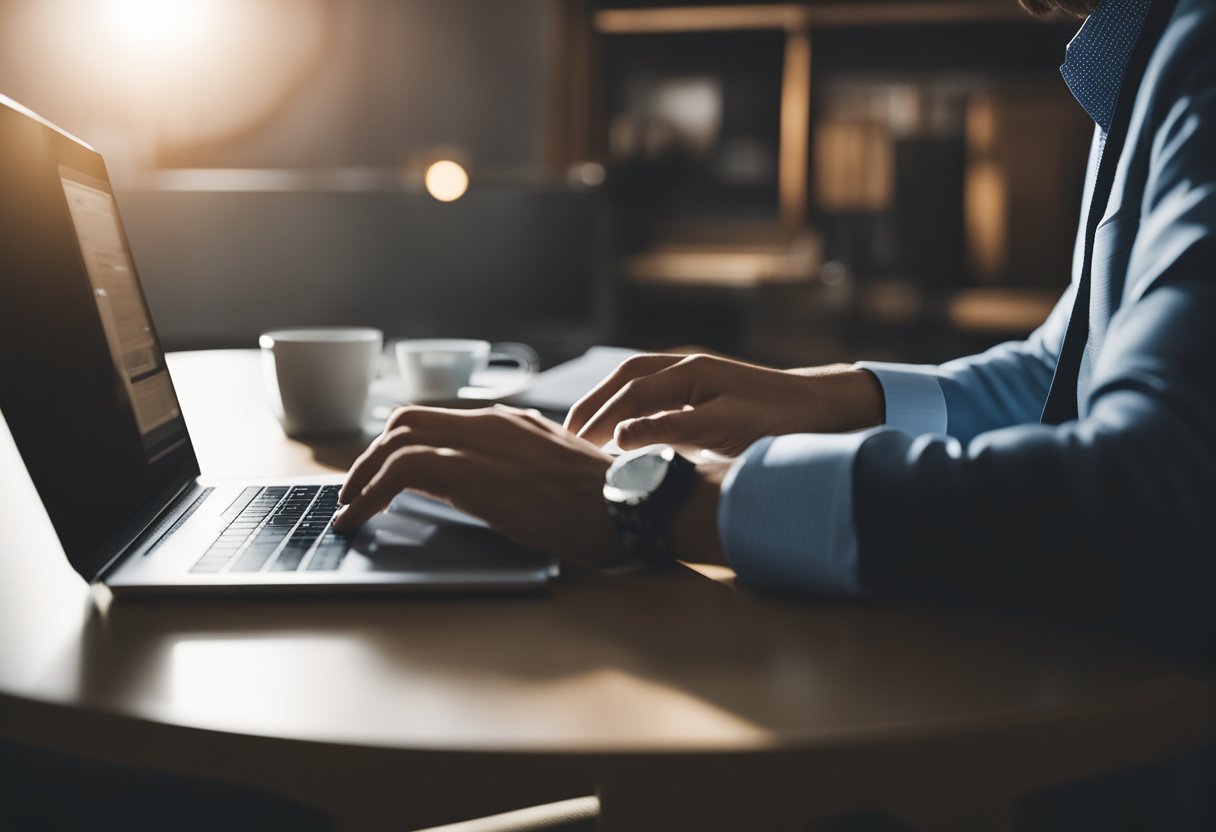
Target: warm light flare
(446, 181)
(158, 27)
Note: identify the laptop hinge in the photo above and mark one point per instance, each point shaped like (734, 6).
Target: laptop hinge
(176, 501)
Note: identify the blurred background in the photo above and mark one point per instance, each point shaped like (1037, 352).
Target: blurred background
(791, 183)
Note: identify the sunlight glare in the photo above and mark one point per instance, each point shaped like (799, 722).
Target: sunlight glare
(158, 27)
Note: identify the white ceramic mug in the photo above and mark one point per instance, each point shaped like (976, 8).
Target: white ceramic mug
(318, 378)
(435, 369)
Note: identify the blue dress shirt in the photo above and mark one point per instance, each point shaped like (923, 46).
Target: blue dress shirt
(786, 515)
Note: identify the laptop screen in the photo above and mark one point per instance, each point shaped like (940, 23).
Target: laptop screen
(125, 319)
(84, 388)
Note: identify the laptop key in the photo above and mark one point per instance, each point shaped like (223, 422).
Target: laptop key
(297, 515)
(289, 559)
(253, 559)
(324, 561)
(211, 563)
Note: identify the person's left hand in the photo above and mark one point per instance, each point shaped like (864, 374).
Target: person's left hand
(530, 479)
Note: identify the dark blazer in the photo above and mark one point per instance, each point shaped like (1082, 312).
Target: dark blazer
(1112, 512)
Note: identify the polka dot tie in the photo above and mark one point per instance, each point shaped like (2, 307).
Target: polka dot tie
(1098, 54)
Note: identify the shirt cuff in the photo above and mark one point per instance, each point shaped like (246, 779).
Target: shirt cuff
(915, 403)
(785, 517)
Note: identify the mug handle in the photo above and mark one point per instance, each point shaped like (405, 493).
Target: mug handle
(523, 356)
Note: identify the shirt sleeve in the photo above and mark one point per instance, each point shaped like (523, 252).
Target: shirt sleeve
(785, 516)
(1006, 385)
(914, 400)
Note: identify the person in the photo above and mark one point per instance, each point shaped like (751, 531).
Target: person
(1072, 471)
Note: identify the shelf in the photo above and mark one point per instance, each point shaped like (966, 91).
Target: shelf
(725, 267)
(792, 17)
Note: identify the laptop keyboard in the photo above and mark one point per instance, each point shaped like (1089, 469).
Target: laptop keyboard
(281, 529)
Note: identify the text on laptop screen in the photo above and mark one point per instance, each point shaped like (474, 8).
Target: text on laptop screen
(124, 315)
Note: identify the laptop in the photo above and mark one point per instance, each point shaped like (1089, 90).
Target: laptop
(86, 393)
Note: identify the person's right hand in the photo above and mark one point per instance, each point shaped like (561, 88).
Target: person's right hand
(699, 402)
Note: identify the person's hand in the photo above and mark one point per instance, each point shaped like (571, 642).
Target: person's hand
(704, 402)
(528, 478)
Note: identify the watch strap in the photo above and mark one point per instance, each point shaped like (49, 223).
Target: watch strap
(643, 526)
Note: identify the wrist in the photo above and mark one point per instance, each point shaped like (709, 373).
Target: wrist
(844, 398)
(693, 531)
(864, 398)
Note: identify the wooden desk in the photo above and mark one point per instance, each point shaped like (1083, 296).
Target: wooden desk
(672, 694)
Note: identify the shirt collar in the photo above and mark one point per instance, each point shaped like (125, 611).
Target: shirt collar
(1098, 55)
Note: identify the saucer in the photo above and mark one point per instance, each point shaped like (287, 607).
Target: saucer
(486, 387)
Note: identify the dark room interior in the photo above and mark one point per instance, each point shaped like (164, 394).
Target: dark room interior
(505, 415)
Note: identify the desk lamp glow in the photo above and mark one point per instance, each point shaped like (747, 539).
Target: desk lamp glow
(446, 180)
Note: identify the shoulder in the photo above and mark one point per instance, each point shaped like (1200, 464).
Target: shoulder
(1176, 108)
(1176, 101)
(1186, 51)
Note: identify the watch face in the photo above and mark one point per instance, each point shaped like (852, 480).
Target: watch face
(640, 473)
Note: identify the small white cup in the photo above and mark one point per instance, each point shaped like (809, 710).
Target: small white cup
(435, 369)
(318, 378)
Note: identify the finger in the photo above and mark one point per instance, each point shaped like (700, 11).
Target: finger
(631, 368)
(407, 426)
(683, 428)
(372, 459)
(418, 467)
(668, 389)
(367, 464)
(487, 430)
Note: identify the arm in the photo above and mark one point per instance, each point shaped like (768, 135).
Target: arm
(1106, 516)
(706, 402)
(1112, 514)
(1116, 508)
(1006, 385)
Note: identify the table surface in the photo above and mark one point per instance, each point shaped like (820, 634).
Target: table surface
(653, 687)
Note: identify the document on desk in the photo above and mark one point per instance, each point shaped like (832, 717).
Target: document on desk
(558, 388)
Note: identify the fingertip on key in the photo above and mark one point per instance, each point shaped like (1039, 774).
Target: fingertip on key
(339, 517)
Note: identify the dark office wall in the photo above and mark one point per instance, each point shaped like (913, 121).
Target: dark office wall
(503, 264)
(388, 78)
(402, 76)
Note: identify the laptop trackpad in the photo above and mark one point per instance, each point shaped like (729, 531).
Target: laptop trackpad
(420, 534)
(408, 504)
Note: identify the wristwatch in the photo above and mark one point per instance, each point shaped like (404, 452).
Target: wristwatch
(642, 489)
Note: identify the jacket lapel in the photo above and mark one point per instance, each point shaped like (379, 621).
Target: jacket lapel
(1061, 403)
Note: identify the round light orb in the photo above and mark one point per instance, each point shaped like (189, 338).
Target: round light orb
(446, 180)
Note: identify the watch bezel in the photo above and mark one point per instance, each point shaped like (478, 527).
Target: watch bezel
(631, 496)
(642, 517)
